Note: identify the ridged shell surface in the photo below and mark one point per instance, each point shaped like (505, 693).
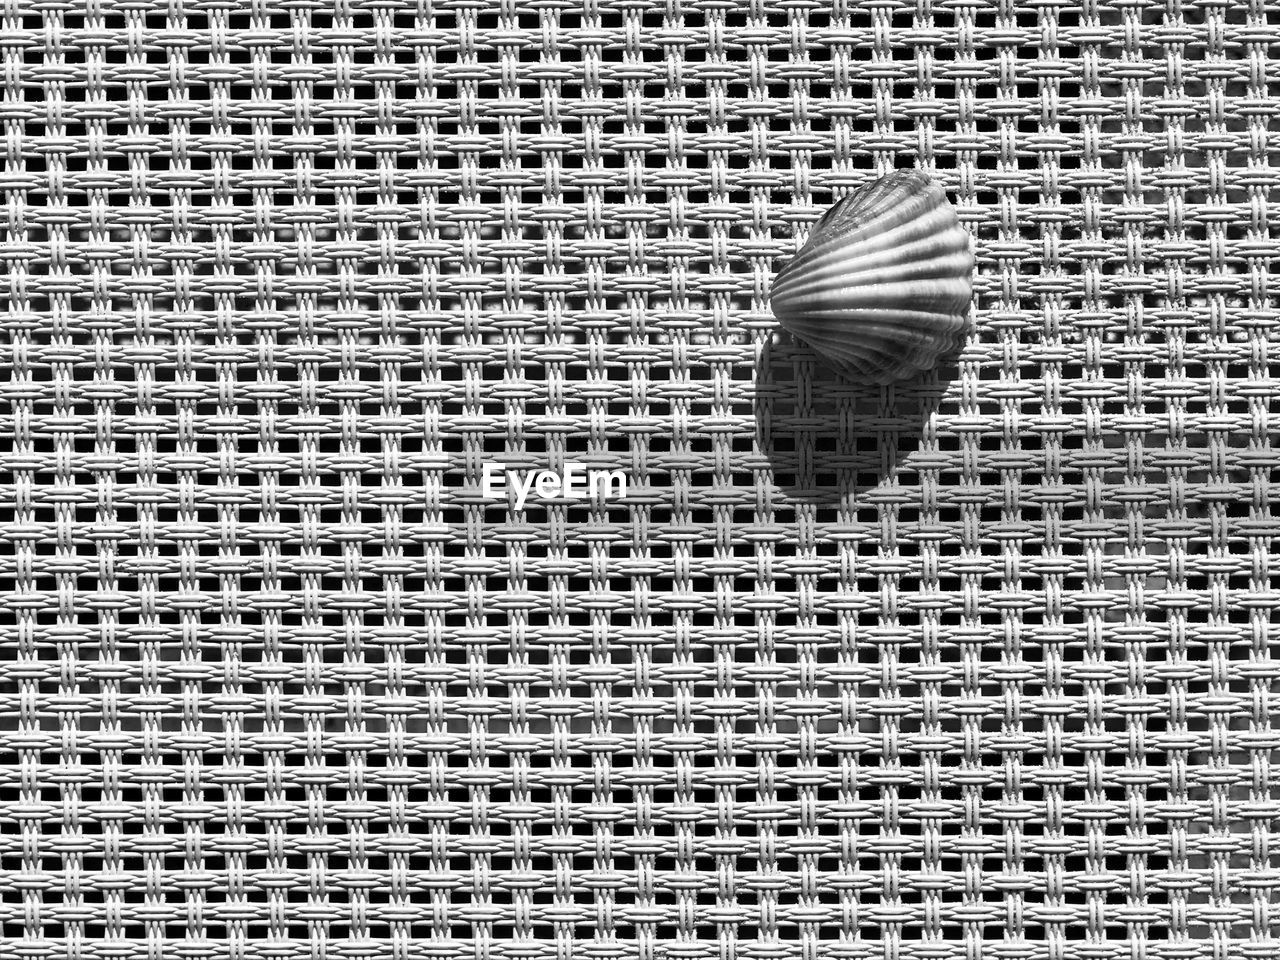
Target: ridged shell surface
(881, 289)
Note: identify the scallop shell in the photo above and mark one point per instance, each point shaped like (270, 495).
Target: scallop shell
(881, 289)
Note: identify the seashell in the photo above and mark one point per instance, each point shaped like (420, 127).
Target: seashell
(881, 289)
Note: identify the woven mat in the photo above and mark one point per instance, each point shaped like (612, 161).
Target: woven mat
(978, 665)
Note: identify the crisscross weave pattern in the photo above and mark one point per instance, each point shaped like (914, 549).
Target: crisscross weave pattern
(977, 665)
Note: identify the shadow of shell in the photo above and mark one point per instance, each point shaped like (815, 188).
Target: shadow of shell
(832, 440)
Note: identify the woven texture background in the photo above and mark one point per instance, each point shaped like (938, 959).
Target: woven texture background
(975, 666)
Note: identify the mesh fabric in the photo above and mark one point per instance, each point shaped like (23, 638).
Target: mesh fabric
(976, 665)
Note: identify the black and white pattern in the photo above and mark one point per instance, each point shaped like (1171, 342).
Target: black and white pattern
(977, 665)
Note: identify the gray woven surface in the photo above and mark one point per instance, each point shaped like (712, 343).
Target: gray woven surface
(979, 666)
